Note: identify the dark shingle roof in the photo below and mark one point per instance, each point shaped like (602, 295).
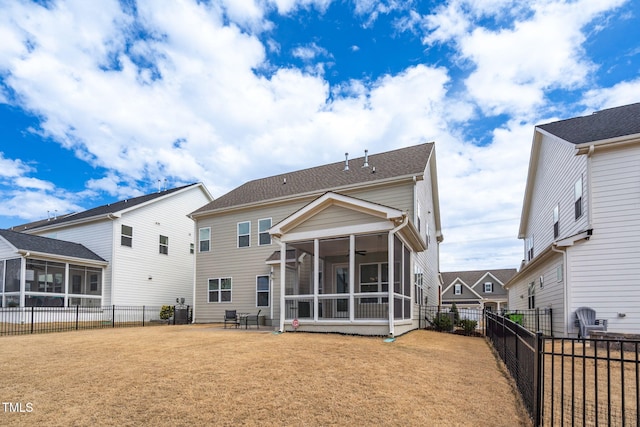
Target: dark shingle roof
(391, 164)
(46, 245)
(98, 211)
(605, 124)
(471, 277)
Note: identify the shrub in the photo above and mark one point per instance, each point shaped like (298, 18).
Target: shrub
(468, 326)
(166, 312)
(443, 322)
(456, 314)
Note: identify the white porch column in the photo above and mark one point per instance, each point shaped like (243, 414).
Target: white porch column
(283, 269)
(66, 284)
(391, 281)
(316, 277)
(23, 279)
(352, 276)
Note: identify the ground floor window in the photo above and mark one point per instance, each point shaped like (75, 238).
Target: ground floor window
(262, 291)
(220, 289)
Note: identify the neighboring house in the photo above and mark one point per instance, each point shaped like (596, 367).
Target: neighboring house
(325, 248)
(38, 271)
(580, 221)
(483, 289)
(148, 242)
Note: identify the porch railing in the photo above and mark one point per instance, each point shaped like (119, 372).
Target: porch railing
(369, 306)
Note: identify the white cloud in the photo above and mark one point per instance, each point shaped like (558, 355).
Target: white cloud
(540, 49)
(10, 168)
(623, 93)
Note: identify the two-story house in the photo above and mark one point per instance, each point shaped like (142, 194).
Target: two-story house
(347, 247)
(147, 241)
(481, 289)
(580, 222)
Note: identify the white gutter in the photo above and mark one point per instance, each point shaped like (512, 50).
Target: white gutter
(283, 262)
(68, 259)
(390, 260)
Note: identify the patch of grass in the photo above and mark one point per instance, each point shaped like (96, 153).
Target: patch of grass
(204, 375)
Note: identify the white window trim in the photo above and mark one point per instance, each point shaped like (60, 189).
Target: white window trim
(457, 289)
(204, 240)
(268, 291)
(238, 235)
(163, 245)
(490, 291)
(126, 235)
(220, 290)
(263, 232)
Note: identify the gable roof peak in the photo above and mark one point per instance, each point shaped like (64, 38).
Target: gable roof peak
(406, 161)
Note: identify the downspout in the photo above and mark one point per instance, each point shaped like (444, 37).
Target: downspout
(271, 292)
(196, 251)
(392, 273)
(565, 303)
(592, 149)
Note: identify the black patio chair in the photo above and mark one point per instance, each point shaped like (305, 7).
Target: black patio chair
(253, 318)
(230, 316)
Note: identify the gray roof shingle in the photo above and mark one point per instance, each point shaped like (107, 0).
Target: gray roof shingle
(46, 245)
(391, 164)
(472, 276)
(604, 124)
(98, 211)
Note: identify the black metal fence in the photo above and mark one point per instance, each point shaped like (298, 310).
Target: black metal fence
(33, 320)
(570, 381)
(534, 320)
(443, 319)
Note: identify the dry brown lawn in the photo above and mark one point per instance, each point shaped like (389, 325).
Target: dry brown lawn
(204, 375)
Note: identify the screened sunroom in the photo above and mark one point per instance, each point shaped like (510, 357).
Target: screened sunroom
(345, 265)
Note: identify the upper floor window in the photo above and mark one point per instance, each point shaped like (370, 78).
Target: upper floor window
(488, 287)
(126, 235)
(457, 289)
(244, 234)
(556, 222)
(532, 295)
(204, 239)
(164, 245)
(529, 248)
(264, 238)
(577, 197)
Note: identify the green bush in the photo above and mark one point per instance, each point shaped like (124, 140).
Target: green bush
(443, 322)
(166, 312)
(456, 314)
(468, 326)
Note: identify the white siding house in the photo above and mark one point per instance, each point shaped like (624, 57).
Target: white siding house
(148, 242)
(580, 221)
(348, 247)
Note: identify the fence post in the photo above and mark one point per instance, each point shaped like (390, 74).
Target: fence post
(77, 314)
(113, 316)
(538, 374)
(537, 319)
(143, 316)
(32, 308)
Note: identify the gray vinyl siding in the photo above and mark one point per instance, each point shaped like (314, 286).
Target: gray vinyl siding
(225, 259)
(605, 272)
(335, 216)
(557, 171)
(242, 265)
(551, 295)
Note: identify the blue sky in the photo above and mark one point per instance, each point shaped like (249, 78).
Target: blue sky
(101, 100)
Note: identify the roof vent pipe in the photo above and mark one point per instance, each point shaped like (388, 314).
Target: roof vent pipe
(346, 161)
(366, 159)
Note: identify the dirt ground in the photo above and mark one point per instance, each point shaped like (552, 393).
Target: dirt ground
(204, 375)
